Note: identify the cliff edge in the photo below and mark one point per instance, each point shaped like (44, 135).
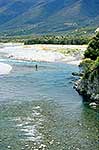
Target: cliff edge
(88, 84)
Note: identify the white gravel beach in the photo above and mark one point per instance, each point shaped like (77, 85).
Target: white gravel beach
(46, 53)
(5, 68)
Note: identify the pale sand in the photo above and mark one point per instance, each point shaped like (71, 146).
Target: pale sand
(44, 52)
(52, 46)
(5, 68)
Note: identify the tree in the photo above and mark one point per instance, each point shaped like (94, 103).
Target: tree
(93, 48)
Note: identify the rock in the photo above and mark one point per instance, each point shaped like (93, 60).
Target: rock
(92, 96)
(77, 83)
(9, 147)
(77, 148)
(77, 74)
(42, 146)
(97, 30)
(51, 142)
(93, 104)
(97, 97)
(89, 88)
(26, 145)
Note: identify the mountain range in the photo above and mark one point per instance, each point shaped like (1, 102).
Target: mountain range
(47, 16)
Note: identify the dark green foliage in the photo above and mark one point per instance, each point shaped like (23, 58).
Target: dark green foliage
(94, 69)
(73, 40)
(90, 68)
(90, 65)
(47, 39)
(93, 48)
(86, 64)
(95, 64)
(89, 83)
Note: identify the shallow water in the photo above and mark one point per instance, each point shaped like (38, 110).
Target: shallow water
(41, 110)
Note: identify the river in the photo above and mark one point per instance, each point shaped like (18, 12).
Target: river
(41, 110)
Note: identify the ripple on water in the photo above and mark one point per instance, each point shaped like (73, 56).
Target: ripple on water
(28, 127)
(62, 123)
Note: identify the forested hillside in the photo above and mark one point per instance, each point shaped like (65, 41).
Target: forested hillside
(47, 16)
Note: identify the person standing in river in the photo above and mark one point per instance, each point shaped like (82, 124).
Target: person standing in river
(36, 67)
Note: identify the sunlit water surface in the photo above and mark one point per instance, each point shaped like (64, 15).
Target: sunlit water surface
(41, 110)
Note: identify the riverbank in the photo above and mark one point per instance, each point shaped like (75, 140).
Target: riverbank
(89, 83)
(5, 68)
(71, 54)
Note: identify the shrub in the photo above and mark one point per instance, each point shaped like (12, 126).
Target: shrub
(93, 48)
(86, 64)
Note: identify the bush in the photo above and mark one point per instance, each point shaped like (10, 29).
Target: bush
(95, 65)
(86, 64)
(90, 68)
(93, 48)
(51, 39)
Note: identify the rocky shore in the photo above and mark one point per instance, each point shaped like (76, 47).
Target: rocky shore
(88, 84)
(90, 88)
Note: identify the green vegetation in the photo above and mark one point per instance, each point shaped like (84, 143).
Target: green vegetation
(93, 48)
(47, 39)
(90, 68)
(86, 65)
(25, 17)
(89, 83)
(64, 40)
(14, 39)
(90, 65)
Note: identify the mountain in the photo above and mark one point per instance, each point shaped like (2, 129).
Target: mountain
(47, 16)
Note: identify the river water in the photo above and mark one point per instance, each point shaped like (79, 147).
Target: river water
(41, 110)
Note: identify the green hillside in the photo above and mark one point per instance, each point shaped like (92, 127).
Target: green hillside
(22, 17)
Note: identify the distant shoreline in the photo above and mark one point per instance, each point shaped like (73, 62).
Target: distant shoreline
(70, 54)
